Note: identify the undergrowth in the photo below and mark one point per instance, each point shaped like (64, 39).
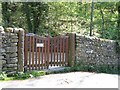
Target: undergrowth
(21, 75)
(89, 68)
(78, 67)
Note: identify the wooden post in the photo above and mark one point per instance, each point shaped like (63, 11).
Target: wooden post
(71, 49)
(20, 50)
(25, 53)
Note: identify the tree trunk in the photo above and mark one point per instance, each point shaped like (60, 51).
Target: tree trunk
(35, 22)
(92, 13)
(5, 14)
(103, 21)
(118, 21)
(0, 14)
(26, 10)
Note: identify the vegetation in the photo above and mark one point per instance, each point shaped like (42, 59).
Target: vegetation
(80, 67)
(88, 68)
(21, 75)
(100, 19)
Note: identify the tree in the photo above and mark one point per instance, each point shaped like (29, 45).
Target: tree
(103, 21)
(26, 10)
(92, 13)
(35, 15)
(6, 14)
(61, 17)
(0, 14)
(118, 7)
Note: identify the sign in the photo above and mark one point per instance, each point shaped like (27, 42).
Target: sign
(40, 44)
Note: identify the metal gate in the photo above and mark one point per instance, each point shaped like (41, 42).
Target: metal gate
(42, 52)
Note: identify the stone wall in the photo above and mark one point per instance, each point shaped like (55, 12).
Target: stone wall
(95, 51)
(2, 51)
(89, 50)
(11, 52)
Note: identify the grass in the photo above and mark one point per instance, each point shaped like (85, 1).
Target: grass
(89, 68)
(21, 75)
(94, 68)
(78, 67)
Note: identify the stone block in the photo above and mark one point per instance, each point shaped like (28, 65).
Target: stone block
(11, 49)
(12, 61)
(0, 65)
(2, 50)
(14, 37)
(3, 61)
(16, 30)
(11, 69)
(14, 44)
(11, 72)
(9, 30)
(1, 29)
(14, 40)
(11, 55)
(1, 57)
(11, 65)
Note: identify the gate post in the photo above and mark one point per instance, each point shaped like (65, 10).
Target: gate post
(20, 50)
(71, 49)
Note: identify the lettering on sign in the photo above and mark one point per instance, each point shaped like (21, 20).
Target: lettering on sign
(40, 44)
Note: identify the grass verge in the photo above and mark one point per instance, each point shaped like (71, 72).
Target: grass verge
(21, 75)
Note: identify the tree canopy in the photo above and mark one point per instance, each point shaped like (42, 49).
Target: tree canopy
(101, 19)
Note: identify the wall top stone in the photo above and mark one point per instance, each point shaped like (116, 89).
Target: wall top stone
(94, 37)
(11, 30)
(1, 29)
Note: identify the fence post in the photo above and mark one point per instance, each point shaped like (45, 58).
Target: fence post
(71, 49)
(20, 50)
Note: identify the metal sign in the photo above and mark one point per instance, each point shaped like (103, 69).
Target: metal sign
(40, 44)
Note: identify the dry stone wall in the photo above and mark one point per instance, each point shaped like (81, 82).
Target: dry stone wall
(95, 51)
(89, 50)
(10, 50)
(2, 51)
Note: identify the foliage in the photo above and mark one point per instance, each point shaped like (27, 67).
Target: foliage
(90, 68)
(37, 73)
(22, 75)
(96, 68)
(60, 17)
(3, 76)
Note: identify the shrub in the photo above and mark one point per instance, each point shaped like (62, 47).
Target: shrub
(22, 76)
(3, 76)
(37, 73)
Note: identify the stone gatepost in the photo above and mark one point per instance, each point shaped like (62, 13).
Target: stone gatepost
(2, 51)
(12, 50)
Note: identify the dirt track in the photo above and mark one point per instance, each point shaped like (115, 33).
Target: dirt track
(66, 80)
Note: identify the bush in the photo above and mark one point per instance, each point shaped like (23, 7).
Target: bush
(22, 76)
(3, 76)
(94, 68)
(37, 73)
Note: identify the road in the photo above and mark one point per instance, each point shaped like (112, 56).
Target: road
(66, 80)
